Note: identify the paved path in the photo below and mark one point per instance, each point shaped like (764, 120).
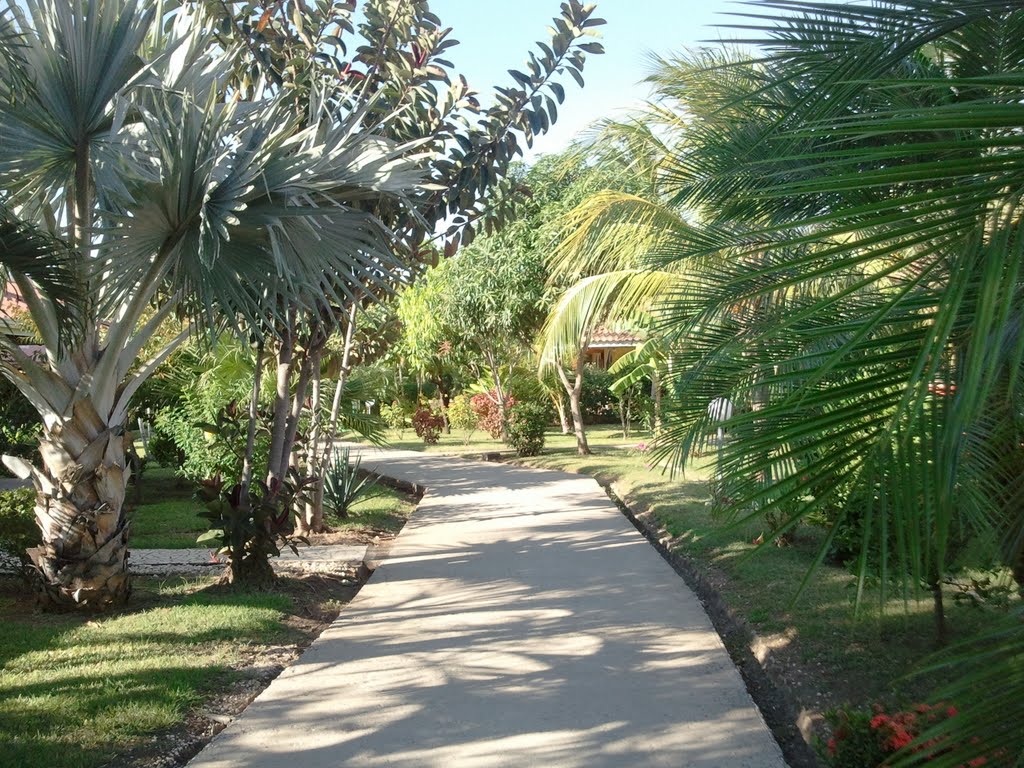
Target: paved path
(520, 621)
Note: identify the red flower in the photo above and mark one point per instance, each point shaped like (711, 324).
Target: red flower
(832, 747)
(978, 761)
(951, 711)
(879, 720)
(899, 740)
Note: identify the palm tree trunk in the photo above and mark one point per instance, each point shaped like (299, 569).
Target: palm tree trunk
(313, 498)
(80, 493)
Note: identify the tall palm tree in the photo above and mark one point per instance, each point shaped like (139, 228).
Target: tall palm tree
(115, 134)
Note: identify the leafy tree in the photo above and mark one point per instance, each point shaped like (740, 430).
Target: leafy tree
(486, 298)
(396, 81)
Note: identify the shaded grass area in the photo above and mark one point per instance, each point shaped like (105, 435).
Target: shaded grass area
(168, 517)
(76, 691)
(816, 644)
(383, 510)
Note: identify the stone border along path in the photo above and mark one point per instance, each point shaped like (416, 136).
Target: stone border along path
(311, 559)
(519, 620)
(328, 558)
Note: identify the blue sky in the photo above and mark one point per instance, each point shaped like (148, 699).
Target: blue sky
(495, 37)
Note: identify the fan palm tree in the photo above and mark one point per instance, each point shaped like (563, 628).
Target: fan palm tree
(115, 134)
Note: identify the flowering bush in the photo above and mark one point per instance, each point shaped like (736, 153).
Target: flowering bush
(869, 739)
(428, 425)
(488, 417)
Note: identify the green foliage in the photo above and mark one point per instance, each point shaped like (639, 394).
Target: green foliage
(18, 529)
(343, 485)
(19, 423)
(596, 399)
(163, 448)
(428, 424)
(527, 423)
(394, 415)
(460, 413)
(204, 422)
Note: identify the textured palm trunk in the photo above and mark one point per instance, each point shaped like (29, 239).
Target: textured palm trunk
(80, 493)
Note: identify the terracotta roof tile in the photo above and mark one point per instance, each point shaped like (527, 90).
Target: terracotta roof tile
(603, 336)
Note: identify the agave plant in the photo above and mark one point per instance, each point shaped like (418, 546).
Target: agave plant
(343, 485)
(114, 135)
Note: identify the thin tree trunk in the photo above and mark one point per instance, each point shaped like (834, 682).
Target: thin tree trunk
(496, 376)
(295, 413)
(563, 414)
(574, 390)
(656, 397)
(313, 498)
(245, 482)
(282, 400)
(332, 431)
(315, 516)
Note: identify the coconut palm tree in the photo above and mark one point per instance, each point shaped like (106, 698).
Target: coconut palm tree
(115, 134)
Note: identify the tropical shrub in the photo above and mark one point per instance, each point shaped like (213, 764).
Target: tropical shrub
(250, 533)
(394, 415)
(527, 423)
(460, 413)
(596, 399)
(488, 415)
(428, 424)
(343, 485)
(163, 450)
(18, 529)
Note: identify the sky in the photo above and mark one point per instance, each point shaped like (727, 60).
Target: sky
(496, 36)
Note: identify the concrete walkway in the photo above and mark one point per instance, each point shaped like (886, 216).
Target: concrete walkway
(520, 621)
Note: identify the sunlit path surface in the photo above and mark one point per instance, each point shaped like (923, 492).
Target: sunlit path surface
(520, 621)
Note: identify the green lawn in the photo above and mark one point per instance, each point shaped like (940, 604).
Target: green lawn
(384, 509)
(76, 690)
(169, 518)
(478, 441)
